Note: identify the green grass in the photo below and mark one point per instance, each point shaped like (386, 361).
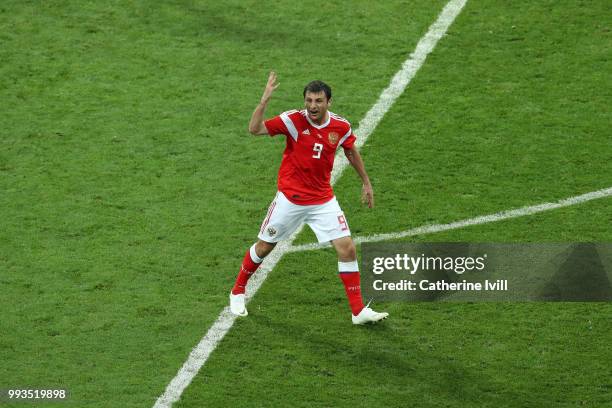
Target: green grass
(130, 190)
(299, 342)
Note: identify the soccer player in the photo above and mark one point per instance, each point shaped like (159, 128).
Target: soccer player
(304, 191)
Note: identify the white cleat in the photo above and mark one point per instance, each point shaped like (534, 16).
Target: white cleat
(237, 305)
(367, 315)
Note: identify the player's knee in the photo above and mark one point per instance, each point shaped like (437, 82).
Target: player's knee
(351, 251)
(263, 248)
(347, 251)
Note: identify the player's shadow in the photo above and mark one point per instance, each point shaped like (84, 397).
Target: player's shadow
(381, 367)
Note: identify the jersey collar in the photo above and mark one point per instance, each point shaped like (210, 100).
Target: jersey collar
(318, 126)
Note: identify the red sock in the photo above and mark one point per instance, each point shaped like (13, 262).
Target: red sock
(352, 286)
(247, 269)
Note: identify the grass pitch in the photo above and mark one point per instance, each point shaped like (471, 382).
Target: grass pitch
(130, 190)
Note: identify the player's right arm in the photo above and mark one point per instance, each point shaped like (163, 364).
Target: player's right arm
(256, 125)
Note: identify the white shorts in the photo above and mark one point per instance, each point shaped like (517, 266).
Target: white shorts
(326, 220)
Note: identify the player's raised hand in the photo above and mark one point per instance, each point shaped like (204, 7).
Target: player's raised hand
(270, 87)
(367, 195)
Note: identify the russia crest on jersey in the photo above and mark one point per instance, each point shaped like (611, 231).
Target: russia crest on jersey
(333, 137)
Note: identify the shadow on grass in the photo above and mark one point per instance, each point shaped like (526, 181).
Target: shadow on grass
(397, 371)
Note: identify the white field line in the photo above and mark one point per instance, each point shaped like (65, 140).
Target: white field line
(483, 219)
(200, 353)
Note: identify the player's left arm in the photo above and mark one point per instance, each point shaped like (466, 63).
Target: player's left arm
(367, 194)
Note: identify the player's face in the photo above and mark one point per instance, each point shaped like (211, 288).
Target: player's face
(316, 105)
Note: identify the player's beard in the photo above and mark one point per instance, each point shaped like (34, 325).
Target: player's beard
(318, 116)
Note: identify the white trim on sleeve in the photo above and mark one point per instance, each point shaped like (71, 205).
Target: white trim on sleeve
(345, 137)
(290, 126)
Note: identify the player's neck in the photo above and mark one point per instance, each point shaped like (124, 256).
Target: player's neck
(323, 119)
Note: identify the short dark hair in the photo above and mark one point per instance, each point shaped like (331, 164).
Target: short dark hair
(318, 86)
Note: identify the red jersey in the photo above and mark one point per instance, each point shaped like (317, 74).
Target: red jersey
(305, 171)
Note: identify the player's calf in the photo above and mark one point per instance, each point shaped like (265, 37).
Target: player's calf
(250, 264)
(349, 273)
